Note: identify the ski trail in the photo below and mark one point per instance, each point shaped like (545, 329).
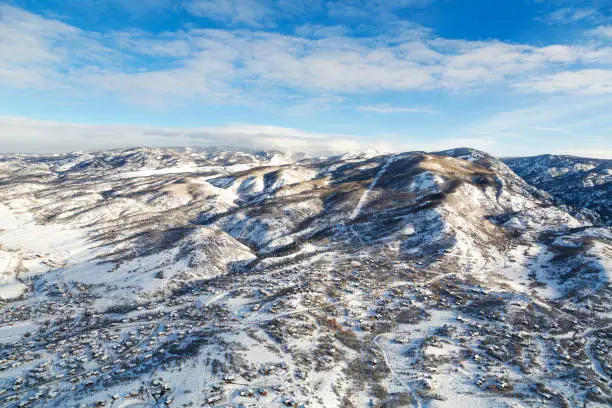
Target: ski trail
(364, 196)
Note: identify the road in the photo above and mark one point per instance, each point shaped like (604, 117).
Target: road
(410, 390)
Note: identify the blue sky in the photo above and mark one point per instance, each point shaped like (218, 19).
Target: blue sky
(512, 77)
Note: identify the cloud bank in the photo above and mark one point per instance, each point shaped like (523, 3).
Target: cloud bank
(19, 134)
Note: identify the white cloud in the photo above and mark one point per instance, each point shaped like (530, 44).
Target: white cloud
(604, 31)
(255, 66)
(386, 108)
(26, 54)
(43, 53)
(586, 81)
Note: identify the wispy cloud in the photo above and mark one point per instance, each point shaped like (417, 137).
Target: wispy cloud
(321, 31)
(586, 81)
(604, 31)
(389, 109)
(546, 126)
(550, 129)
(561, 112)
(570, 15)
(248, 12)
(594, 152)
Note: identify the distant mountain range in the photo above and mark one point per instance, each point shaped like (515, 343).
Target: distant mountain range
(577, 181)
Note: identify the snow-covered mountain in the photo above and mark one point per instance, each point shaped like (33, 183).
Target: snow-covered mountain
(237, 278)
(577, 181)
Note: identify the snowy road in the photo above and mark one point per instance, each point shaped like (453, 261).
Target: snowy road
(412, 393)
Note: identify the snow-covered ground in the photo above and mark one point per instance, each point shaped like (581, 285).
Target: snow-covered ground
(237, 279)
